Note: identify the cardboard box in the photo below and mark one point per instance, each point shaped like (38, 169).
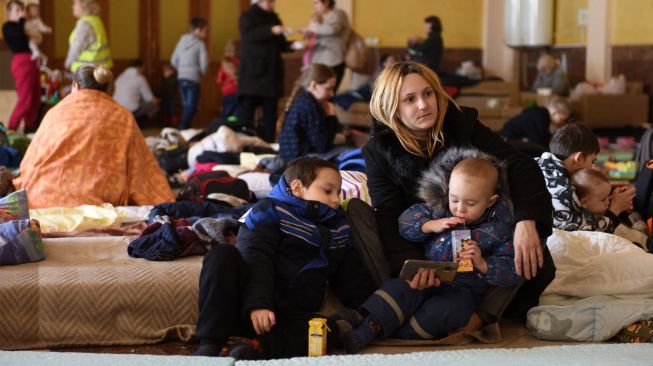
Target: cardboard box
(487, 106)
(612, 111)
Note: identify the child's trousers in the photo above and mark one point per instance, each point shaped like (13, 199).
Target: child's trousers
(222, 283)
(427, 314)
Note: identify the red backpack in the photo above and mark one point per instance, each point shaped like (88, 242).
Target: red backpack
(199, 186)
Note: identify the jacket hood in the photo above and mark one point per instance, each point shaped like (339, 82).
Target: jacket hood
(188, 41)
(433, 186)
(311, 209)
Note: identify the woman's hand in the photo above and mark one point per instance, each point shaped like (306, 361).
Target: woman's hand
(528, 249)
(622, 199)
(263, 320)
(278, 29)
(329, 108)
(473, 251)
(440, 225)
(425, 278)
(413, 40)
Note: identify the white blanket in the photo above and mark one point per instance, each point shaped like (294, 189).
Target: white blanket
(603, 283)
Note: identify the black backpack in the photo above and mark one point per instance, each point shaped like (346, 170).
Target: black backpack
(200, 186)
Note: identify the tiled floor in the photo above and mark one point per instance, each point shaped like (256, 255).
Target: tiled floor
(515, 335)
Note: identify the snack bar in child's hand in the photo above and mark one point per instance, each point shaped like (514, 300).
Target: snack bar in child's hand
(459, 240)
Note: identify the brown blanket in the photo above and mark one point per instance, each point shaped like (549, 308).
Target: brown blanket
(88, 291)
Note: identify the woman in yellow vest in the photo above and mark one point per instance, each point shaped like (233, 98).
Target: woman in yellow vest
(88, 41)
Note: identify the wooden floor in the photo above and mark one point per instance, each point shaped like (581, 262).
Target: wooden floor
(514, 335)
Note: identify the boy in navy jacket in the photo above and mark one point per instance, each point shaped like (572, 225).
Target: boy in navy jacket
(293, 245)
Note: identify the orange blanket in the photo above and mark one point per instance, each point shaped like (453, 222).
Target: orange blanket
(89, 150)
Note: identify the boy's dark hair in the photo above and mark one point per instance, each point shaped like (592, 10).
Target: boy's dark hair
(572, 138)
(137, 62)
(306, 169)
(197, 23)
(13, 3)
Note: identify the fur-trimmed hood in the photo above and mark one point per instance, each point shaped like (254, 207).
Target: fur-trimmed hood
(433, 185)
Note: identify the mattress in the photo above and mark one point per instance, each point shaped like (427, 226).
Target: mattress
(89, 291)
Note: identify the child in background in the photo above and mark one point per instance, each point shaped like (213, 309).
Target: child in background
(169, 97)
(310, 122)
(228, 80)
(594, 190)
(191, 61)
(423, 307)
(293, 245)
(536, 125)
(35, 28)
(572, 148)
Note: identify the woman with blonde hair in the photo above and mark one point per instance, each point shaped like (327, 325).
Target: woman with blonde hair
(88, 41)
(550, 75)
(310, 121)
(416, 121)
(89, 150)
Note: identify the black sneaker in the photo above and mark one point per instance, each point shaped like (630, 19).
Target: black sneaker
(208, 350)
(350, 316)
(244, 351)
(347, 320)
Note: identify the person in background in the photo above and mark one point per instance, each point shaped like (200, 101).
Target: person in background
(169, 90)
(594, 193)
(89, 151)
(536, 125)
(191, 61)
(24, 69)
(574, 147)
(310, 123)
(428, 51)
(331, 29)
(133, 92)
(550, 75)
(35, 28)
(227, 79)
(364, 92)
(89, 43)
(261, 71)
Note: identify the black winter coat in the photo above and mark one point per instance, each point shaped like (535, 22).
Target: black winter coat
(260, 71)
(276, 262)
(532, 125)
(393, 175)
(430, 51)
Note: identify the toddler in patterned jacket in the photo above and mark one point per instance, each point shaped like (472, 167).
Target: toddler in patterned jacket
(423, 307)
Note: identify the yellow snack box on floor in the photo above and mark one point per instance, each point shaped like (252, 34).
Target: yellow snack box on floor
(317, 337)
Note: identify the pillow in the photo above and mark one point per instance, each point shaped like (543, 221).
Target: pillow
(14, 206)
(20, 242)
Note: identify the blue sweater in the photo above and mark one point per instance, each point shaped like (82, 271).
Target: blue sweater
(307, 129)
